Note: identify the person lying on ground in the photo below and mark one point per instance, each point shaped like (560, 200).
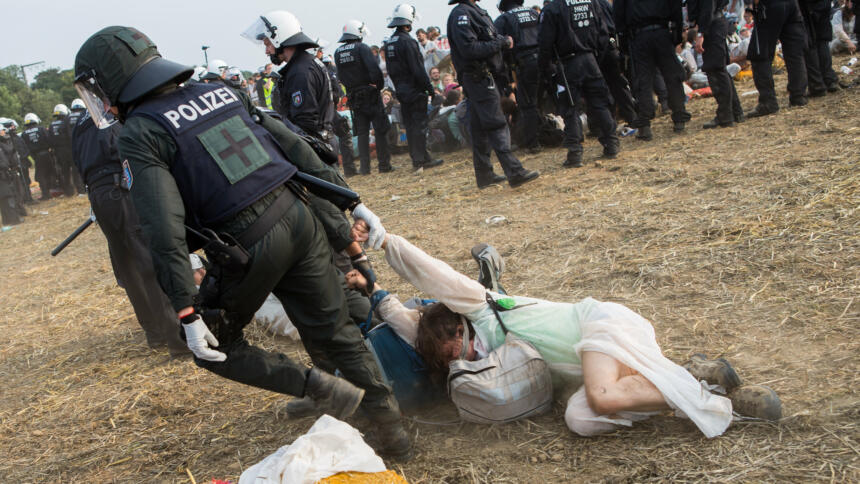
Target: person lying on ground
(604, 350)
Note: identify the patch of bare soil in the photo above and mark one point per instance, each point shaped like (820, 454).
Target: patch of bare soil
(738, 242)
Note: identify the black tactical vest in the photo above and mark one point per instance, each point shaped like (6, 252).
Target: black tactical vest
(37, 139)
(224, 160)
(73, 119)
(528, 24)
(350, 69)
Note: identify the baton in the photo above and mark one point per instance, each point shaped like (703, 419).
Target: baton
(564, 78)
(74, 235)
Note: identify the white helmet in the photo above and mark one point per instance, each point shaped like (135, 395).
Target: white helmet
(354, 30)
(217, 66)
(281, 28)
(31, 118)
(10, 123)
(233, 77)
(61, 110)
(404, 14)
(78, 105)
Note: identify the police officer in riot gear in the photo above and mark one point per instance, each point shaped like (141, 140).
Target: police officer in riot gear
(521, 24)
(570, 31)
(23, 157)
(652, 29)
(360, 74)
(411, 84)
(476, 52)
(61, 142)
(305, 88)
(98, 161)
(714, 27)
(39, 145)
(777, 20)
(201, 158)
(11, 198)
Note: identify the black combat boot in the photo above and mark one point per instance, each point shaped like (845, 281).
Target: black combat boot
(522, 178)
(492, 180)
(645, 133)
(332, 395)
(574, 160)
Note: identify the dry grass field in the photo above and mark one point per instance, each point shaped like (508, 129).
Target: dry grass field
(739, 242)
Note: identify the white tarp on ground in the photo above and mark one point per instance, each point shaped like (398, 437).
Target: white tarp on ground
(328, 448)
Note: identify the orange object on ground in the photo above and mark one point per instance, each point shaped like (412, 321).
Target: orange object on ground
(387, 477)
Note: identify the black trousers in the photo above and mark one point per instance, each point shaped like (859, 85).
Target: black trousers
(367, 110)
(415, 118)
(528, 80)
(9, 209)
(25, 179)
(294, 262)
(610, 68)
(653, 50)
(584, 80)
(489, 128)
(714, 61)
(132, 266)
(46, 174)
(819, 33)
(65, 169)
(781, 22)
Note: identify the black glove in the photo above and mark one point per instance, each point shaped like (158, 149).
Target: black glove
(361, 263)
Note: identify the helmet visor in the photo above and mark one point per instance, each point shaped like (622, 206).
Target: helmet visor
(259, 30)
(94, 99)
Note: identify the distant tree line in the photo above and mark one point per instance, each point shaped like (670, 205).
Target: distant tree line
(49, 88)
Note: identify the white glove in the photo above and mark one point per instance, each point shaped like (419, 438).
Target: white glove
(200, 340)
(377, 231)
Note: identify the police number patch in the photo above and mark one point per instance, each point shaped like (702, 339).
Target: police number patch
(297, 98)
(235, 149)
(463, 20)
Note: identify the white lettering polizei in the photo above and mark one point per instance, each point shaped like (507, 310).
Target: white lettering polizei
(205, 104)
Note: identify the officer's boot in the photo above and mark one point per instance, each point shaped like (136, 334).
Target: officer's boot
(302, 407)
(574, 160)
(334, 396)
(645, 133)
(756, 401)
(715, 372)
(390, 439)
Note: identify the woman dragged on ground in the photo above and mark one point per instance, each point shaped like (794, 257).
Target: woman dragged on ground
(605, 350)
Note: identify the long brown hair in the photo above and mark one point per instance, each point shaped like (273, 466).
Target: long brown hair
(437, 326)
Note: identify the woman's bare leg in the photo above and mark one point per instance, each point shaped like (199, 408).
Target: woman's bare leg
(613, 387)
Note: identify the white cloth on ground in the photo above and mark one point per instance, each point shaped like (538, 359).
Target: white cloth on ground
(619, 332)
(328, 448)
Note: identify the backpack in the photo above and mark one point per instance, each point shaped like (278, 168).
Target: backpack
(511, 383)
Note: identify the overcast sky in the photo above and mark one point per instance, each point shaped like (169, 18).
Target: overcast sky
(53, 30)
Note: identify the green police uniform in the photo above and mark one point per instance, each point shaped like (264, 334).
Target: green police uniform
(292, 259)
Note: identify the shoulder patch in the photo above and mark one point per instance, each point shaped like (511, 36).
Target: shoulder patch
(297, 98)
(127, 177)
(463, 20)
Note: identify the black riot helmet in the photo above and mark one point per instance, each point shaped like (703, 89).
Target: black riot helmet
(505, 5)
(117, 66)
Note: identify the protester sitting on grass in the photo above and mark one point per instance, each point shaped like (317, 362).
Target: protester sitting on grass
(604, 349)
